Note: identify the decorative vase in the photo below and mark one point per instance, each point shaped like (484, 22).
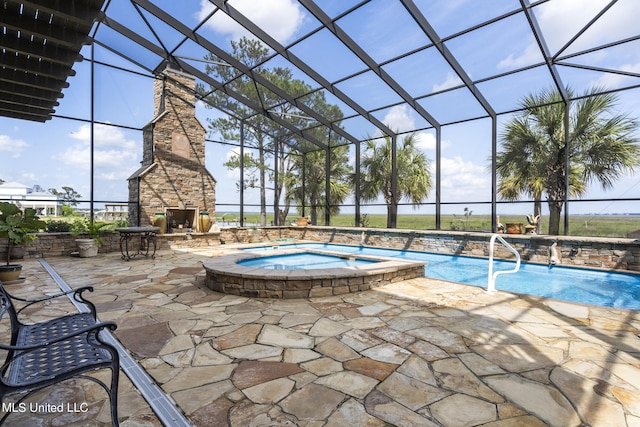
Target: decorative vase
(204, 222)
(87, 248)
(160, 220)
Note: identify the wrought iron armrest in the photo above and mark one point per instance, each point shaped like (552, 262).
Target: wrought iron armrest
(48, 297)
(77, 295)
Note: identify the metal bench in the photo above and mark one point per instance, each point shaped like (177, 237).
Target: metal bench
(48, 352)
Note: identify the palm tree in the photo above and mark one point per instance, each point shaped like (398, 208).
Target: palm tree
(601, 145)
(412, 168)
(315, 181)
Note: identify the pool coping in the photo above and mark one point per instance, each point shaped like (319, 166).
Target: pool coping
(223, 274)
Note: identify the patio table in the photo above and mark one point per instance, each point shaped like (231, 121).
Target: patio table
(146, 237)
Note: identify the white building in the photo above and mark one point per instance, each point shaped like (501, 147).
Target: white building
(45, 203)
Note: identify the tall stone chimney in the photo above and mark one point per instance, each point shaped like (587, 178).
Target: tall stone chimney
(173, 178)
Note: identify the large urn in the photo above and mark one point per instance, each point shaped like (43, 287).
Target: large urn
(160, 220)
(204, 222)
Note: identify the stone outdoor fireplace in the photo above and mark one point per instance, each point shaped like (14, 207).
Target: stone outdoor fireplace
(173, 178)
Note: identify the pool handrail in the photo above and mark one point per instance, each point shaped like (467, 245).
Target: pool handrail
(491, 281)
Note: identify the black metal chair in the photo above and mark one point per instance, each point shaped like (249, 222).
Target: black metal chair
(45, 353)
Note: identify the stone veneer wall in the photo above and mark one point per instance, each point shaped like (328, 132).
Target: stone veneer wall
(305, 287)
(63, 244)
(173, 172)
(588, 252)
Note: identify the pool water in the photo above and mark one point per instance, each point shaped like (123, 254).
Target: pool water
(609, 289)
(304, 261)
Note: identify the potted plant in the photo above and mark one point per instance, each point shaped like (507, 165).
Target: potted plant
(88, 247)
(18, 228)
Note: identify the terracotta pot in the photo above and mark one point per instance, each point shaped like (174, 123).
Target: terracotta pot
(514, 227)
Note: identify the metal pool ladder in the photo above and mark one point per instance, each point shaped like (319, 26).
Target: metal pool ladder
(491, 284)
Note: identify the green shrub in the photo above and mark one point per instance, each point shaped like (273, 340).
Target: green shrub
(121, 223)
(54, 226)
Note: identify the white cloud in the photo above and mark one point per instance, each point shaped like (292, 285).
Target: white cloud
(14, 147)
(115, 157)
(426, 141)
(116, 176)
(452, 80)
(103, 136)
(611, 80)
(561, 20)
(78, 156)
(399, 119)
(530, 56)
(28, 177)
(463, 180)
(281, 19)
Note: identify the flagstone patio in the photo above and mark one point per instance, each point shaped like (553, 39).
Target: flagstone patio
(417, 352)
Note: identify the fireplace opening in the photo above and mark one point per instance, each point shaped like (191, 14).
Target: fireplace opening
(181, 220)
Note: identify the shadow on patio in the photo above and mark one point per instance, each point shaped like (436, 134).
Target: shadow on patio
(417, 352)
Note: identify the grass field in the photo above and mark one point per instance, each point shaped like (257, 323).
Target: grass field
(579, 225)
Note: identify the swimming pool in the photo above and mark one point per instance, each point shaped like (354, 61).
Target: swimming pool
(302, 261)
(609, 289)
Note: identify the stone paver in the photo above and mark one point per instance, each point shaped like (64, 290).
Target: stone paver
(543, 401)
(277, 336)
(313, 402)
(464, 411)
(351, 383)
(417, 352)
(251, 373)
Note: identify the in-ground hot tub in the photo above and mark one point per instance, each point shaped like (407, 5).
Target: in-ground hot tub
(304, 261)
(304, 273)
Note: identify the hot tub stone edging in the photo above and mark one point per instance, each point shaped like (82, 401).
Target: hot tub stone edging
(224, 275)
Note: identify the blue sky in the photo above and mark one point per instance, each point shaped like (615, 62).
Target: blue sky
(56, 153)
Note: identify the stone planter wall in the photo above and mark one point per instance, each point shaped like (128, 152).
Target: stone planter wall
(64, 244)
(61, 244)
